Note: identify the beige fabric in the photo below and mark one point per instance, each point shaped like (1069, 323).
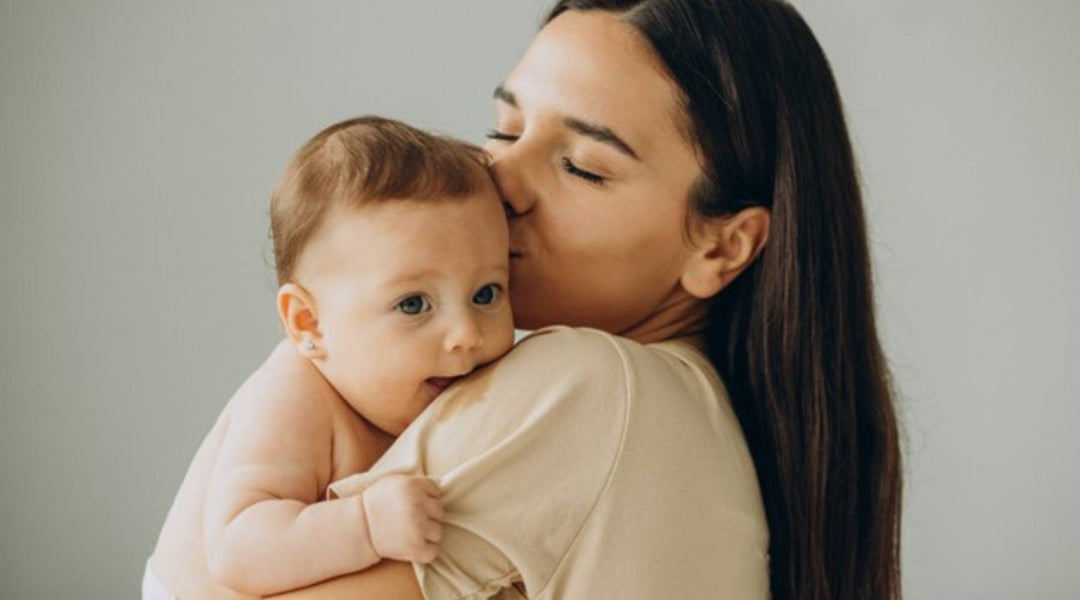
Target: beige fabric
(585, 465)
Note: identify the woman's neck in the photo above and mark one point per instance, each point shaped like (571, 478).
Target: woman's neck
(680, 317)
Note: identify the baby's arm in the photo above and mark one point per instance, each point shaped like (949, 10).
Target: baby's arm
(265, 529)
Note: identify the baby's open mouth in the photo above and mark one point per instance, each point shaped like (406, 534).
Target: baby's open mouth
(441, 383)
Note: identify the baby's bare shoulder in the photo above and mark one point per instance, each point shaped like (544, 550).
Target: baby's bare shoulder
(285, 389)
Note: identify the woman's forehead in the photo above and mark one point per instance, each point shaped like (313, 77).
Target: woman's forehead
(592, 67)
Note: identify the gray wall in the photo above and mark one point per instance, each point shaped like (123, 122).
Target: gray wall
(139, 142)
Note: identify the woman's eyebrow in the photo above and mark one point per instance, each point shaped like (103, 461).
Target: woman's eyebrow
(505, 95)
(599, 133)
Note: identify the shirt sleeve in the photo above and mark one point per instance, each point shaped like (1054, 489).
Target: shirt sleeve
(523, 449)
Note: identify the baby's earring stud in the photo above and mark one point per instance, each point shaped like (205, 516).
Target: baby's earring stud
(309, 345)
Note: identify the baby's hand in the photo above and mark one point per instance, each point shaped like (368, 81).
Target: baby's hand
(404, 516)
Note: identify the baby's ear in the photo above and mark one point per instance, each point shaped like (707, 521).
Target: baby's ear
(300, 319)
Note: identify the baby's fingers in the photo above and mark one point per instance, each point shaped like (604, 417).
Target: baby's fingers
(434, 508)
(433, 531)
(430, 487)
(427, 553)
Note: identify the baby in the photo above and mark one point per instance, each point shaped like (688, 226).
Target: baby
(391, 248)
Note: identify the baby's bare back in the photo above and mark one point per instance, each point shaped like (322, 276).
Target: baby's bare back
(288, 384)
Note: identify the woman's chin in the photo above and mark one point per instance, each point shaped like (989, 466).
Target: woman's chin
(527, 321)
(539, 314)
(533, 315)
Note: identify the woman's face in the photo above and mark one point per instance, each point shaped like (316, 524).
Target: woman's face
(589, 155)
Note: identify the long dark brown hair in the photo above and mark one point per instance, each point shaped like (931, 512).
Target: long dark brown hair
(794, 336)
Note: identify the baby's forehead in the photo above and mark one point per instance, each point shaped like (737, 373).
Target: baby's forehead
(436, 237)
(396, 216)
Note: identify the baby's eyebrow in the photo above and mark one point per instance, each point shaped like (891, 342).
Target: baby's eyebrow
(410, 277)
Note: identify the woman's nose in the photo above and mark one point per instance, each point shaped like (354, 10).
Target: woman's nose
(463, 336)
(509, 168)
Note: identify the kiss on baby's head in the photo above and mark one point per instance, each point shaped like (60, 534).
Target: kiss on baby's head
(361, 161)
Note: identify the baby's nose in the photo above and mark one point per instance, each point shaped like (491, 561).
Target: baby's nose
(463, 336)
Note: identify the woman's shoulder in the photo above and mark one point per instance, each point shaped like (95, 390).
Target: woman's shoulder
(583, 373)
(547, 372)
(670, 382)
(578, 349)
(565, 343)
(560, 352)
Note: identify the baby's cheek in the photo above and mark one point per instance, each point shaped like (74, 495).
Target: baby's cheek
(506, 327)
(393, 409)
(507, 340)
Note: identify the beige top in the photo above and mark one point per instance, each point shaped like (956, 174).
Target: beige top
(585, 465)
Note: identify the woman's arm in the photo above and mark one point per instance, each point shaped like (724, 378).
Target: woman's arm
(389, 579)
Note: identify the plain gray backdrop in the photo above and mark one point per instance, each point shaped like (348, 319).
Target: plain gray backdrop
(139, 142)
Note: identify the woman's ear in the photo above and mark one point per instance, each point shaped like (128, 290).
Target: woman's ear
(300, 319)
(723, 248)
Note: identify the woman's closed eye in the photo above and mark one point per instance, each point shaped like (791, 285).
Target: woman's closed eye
(495, 134)
(569, 166)
(566, 164)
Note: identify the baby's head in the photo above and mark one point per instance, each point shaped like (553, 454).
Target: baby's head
(391, 248)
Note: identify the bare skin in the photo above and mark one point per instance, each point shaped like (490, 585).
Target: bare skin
(285, 387)
(391, 305)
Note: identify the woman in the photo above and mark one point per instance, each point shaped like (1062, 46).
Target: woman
(678, 173)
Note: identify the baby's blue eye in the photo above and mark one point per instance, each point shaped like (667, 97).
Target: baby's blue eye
(486, 295)
(414, 305)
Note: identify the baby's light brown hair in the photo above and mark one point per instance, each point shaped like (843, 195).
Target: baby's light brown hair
(363, 160)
